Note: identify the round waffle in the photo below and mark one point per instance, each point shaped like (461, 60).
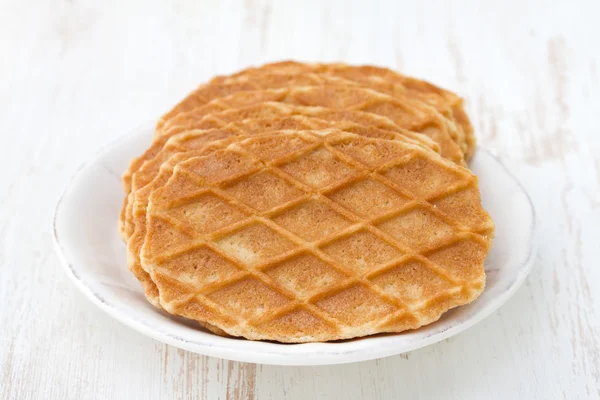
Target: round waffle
(200, 142)
(308, 202)
(314, 236)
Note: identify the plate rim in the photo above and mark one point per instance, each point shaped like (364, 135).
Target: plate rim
(322, 356)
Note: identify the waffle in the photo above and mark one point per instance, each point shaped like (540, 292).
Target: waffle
(316, 235)
(308, 202)
(434, 95)
(198, 142)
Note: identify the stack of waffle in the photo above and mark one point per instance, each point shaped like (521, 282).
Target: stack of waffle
(308, 202)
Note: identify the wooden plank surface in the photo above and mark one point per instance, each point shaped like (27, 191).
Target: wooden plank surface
(77, 74)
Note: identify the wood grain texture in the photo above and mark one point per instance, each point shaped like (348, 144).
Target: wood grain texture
(77, 74)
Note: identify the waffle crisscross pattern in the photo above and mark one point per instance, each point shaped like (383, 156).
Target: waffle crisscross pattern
(285, 74)
(222, 119)
(314, 236)
(223, 129)
(380, 80)
(406, 113)
(271, 78)
(275, 109)
(434, 95)
(216, 127)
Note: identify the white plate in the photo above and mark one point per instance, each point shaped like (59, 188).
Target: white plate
(85, 233)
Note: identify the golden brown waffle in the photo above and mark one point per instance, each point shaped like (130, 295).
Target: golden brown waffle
(314, 236)
(411, 115)
(439, 98)
(199, 142)
(222, 129)
(220, 119)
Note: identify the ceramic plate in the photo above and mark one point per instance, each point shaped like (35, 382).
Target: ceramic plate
(85, 233)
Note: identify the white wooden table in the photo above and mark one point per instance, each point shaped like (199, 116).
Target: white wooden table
(75, 75)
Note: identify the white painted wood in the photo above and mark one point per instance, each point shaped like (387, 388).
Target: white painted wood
(77, 74)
